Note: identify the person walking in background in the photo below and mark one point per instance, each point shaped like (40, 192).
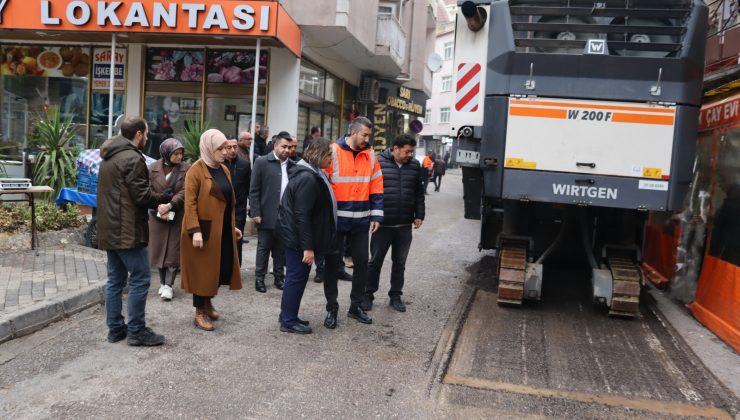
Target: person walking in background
(403, 206)
(438, 172)
(124, 195)
(260, 141)
(427, 165)
(269, 179)
(315, 133)
(307, 222)
(358, 187)
(208, 239)
(168, 173)
(241, 173)
(244, 141)
(294, 149)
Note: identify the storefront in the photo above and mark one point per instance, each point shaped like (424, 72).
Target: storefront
(174, 63)
(397, 112)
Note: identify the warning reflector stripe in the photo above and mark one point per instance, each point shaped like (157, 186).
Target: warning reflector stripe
(594, 106)
(643, 119)
(467, 87)
(538, 112)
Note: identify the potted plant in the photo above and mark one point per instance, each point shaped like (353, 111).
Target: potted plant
(55, 163)
(191, 138)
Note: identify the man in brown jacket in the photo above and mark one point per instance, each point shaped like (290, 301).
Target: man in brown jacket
(124, 195)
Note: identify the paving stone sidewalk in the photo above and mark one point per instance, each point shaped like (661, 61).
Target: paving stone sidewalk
(39, 287)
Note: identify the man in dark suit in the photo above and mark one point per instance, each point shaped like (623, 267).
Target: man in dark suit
(315, 133)
(269, 179)
(260, 141)
(241, 172)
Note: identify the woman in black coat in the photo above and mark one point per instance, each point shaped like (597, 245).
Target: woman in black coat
(307, 221)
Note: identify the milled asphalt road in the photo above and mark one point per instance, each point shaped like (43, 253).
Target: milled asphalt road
(247, 368)
(560, 358)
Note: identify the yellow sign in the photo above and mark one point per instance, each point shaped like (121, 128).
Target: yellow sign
(519, 163)
(656, 173)
(404, 92)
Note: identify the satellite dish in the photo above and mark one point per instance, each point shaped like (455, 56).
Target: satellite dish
(434, 62)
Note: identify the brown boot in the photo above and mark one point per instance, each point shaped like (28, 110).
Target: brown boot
(202, 321)
(209, 310)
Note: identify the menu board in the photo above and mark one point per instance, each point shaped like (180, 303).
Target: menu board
(101, 68)
(41, 61)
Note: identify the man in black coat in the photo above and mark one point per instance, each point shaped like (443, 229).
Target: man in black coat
(241, 172)
(269, 179)
(403, 206)
(260, 141)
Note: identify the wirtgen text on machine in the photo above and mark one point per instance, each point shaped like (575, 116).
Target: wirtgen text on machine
(584, 191)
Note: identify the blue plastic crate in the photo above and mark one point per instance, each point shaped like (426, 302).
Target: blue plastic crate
(87, 181)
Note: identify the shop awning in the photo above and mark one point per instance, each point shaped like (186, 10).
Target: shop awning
(197, 22)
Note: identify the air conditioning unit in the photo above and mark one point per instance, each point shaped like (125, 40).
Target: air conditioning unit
(369, 90)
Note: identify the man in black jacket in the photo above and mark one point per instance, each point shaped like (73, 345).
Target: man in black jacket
(403, 206)
(241, 172)
(260, 141)
(269, 179)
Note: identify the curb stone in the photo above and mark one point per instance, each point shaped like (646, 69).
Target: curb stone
(32, 318)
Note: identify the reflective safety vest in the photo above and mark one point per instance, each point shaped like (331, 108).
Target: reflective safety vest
(358, 187)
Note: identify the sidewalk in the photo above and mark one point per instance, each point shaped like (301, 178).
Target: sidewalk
(38, 288)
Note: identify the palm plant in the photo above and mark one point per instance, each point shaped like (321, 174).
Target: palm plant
(191, 139)
(55, 163)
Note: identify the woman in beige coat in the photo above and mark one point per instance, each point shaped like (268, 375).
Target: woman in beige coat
(165, 223)
(209, 235)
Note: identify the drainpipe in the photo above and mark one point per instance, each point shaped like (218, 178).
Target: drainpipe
(409, 43)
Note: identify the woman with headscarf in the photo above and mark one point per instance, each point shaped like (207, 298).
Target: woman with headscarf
(168, 173)
(209, 234)
(307, 221)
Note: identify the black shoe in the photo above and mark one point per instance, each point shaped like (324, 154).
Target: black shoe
(397, 304)
(145, 337)
(359, 314)
(367, 304)
(331, 319)
(259, 285)
(300, 321)
(115, 336)
(318, 279)
(280, 283)
(298, 328)
(343, 275)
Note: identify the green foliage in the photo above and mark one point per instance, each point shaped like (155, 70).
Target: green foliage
(55, 164)
(48, 217)
(191, 139)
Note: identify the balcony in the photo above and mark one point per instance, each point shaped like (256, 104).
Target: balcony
(390, 39)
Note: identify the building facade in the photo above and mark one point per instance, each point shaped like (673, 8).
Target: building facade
(436, 134)
(363, 58)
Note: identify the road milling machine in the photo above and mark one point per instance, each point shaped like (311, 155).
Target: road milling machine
(571, 120)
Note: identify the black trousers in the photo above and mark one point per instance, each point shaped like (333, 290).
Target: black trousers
(359, 242)
(397, 238)
(268, 242)
(437, 179)
(295, 284)
(240, 224)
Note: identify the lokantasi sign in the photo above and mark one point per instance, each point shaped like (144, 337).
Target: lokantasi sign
(101, 68)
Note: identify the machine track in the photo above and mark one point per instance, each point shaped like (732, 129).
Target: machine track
(512, 264)
(626, 285)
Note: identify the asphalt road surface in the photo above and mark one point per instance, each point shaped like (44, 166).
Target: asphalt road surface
(453, 354)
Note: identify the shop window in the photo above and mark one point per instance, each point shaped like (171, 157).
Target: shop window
(725, 242)
(100, 95)
(167, 115)
(311, 80)
(35, 77)
(235, 67)
(448, 50)
(332, 89)
(444, 115)
(446, 83)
